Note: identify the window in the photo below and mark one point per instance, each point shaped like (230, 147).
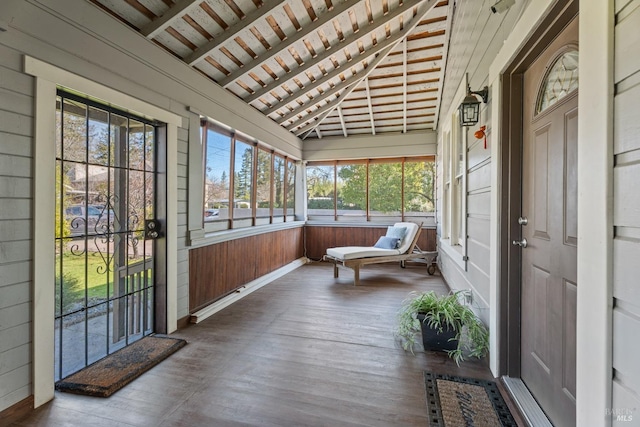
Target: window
(454, 168)
(352, 191)
(290, 189)
(446, 186)
(418, 187)
(457, 187)
(263, 184)
(561, 80)
(320, 190)
(387, 190)
(278, 185)
(244, 181)
(217, 175)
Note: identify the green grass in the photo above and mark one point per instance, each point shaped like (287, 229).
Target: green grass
(75, 276)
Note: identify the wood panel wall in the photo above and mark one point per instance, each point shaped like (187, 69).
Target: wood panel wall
(626, 206)
(219, 269)
(319, 238)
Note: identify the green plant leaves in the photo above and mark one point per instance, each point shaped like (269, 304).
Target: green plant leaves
(443, 313)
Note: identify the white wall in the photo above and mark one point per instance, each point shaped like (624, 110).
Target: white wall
(371, 146)
(626, 212)
(78, 37)
(477, 36)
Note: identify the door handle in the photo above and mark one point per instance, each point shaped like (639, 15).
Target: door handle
(523, 220)
(522, 243)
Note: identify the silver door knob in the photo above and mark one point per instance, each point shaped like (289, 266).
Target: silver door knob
(522, 243)
(523, 220)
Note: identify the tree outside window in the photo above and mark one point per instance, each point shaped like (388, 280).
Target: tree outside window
(216, 188)
(278, 185)
(390, 188)
(242, 180)
(263, 184)
(321, 190)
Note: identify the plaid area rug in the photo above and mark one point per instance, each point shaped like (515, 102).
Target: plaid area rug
(454, 401)
(110, 374)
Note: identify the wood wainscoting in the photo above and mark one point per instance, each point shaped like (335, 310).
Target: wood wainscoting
(219, 269)
(319, 238)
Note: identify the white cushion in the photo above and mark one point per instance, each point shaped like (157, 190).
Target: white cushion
(353, 252)
(412, 229)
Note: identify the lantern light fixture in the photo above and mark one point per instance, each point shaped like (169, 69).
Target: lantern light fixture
(470, 107)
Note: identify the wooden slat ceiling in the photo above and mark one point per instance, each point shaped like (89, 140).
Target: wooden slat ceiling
(316, 67)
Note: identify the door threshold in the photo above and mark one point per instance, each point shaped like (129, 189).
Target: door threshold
(527, 405)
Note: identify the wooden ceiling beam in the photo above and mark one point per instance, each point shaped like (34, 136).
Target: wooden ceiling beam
(256, 15)
(353, 38)
(344, 127)
(325, 18)
(382, 50)
(323, 112)
(404, 86)
(445, 60)
(373, 123)
(163, 22)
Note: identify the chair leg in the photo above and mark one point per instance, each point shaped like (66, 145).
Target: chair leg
(335, 270)
(356, 275)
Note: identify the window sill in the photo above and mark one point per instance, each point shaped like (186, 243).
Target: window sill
(455, 252)
(199, 238)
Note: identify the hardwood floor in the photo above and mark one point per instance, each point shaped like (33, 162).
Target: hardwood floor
(306, 350)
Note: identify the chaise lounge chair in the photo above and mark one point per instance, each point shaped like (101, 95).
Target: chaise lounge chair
(356, 256)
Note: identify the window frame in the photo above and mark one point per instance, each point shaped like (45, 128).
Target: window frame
(453, 222)
(368, 217)
(245, 222)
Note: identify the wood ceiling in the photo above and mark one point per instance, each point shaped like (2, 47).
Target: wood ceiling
(316, 67)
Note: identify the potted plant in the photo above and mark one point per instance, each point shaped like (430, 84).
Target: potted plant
(446, 324)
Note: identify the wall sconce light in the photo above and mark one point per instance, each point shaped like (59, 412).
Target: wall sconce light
(470, 107)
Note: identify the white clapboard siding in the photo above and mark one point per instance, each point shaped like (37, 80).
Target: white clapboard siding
(478, 36)
(626, 327)
(626, 208)
(16, 129)
(626, 269)
(183, 273)
(15, 315)
(627, 37)
(626, 205)
(627, 122)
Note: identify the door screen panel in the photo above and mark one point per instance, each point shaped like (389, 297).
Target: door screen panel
(105, 190)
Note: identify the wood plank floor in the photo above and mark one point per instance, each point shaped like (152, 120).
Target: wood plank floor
(306, 350)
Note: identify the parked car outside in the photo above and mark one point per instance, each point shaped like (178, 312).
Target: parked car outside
(96, 218)
(211, 214)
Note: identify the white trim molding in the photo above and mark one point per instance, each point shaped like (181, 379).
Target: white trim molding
(48, 78)
(526, 25)
(245, 290)
(594, 346)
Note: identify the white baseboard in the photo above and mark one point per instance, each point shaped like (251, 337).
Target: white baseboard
(245, 290)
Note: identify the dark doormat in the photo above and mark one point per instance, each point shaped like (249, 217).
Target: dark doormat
(460, 401)
(110, 374)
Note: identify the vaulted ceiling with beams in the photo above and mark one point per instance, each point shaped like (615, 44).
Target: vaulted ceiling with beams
(316, 67)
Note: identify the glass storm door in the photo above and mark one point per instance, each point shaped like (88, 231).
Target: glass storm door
(105, 190)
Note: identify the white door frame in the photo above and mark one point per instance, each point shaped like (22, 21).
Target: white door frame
(595, 207)
(48, 79)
